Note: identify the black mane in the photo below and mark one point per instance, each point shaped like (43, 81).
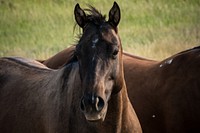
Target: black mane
(93, 16)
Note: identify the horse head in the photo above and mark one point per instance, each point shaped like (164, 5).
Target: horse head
(99, 54)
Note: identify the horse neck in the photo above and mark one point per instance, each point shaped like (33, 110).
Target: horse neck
(70, 83)
(120, 106)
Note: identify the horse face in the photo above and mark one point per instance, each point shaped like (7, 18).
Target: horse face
(99, 56)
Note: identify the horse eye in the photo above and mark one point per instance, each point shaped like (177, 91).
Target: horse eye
(114, 54)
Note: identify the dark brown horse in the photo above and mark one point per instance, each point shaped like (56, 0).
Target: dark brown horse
(165, 94)
(88, 95)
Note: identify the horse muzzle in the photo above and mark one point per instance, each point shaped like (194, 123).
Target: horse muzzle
(93, 107)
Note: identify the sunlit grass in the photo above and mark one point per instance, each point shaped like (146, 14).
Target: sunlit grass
(153, 29)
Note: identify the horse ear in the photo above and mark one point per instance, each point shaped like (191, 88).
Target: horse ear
(79, 16)
(114, 15)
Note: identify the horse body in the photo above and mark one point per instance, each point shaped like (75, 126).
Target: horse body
(87, 95)
(23, 97)
(44, 100)
(168, 90)
(54, 63)
(165, 94)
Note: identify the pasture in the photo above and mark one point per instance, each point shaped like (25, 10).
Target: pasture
(154, 29)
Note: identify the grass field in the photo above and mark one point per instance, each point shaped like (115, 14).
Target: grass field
(153, 29)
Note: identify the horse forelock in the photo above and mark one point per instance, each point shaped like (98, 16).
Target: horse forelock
(94, 15)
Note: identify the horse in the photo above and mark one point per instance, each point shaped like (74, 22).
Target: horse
(86, 95)
(165, 94)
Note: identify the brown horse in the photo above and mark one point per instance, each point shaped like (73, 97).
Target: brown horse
(88, 95)
(165, 94)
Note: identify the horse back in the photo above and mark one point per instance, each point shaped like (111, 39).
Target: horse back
(22, 95)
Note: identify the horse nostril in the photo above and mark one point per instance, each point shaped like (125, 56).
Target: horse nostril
(91, 103)
(99, 103)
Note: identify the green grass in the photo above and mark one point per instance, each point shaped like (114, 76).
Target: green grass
(153, 29)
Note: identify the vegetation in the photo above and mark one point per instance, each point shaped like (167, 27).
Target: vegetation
(154, 29)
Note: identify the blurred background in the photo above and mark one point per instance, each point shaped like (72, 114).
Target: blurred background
(154, 29)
